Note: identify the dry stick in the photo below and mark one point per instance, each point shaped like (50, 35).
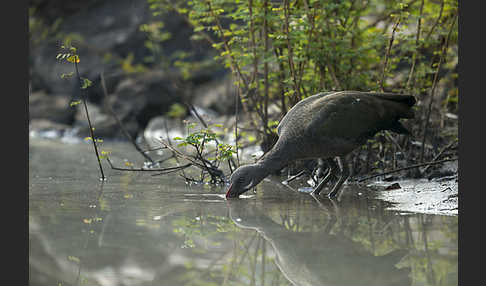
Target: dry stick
(163, 170)
(170, 143)
(265, 68)
(253, 43)
(233, 63)
(440, 154)
(417, 40)
(89, 120)
(290, 51)
(434, 85)
(281, 76)
(406, 168)
(385, 16)
(333, 76)
(118, 121)
(311, 17)
(195, 161)
(387, 55)
(436, 21)
(203, 122)
(329, 66)
(235, 68)
(237, 102)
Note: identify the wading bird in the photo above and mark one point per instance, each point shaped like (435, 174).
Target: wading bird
(325, 126)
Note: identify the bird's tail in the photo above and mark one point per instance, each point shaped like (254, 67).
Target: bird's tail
(397, 127)
(409, 100)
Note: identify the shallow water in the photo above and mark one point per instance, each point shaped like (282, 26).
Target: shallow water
(138, 229)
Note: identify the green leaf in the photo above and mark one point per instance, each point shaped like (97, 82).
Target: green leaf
(74, 103)
(86, 83)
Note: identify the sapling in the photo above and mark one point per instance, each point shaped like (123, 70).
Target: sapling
(70, 55)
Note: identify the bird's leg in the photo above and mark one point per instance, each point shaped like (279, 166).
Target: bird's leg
(332, 170)
(319, 171)
(344, 175)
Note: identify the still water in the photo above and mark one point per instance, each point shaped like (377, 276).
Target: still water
(139, 229)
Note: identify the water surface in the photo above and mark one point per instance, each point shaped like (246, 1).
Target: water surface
(138, 229)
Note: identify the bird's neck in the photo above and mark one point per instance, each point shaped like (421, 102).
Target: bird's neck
(273, 160)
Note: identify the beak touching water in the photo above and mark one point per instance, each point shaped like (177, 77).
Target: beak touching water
(228, 192)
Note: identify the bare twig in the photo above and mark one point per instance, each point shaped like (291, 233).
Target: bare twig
(162, 170)
(89, 120)
(387, 15)
(436, 21)
(387, 55)
(265, 69)
(290, 55)
(440, 154)
(434, 85)
(417, 39)
(198, 161)
(118, 121)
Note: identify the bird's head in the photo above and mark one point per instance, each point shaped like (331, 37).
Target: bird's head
(243, 179)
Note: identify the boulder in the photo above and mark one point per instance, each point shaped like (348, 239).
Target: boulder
(104, 124)
(144, 96)
(218, 95)
(50, 107)
(45, 128)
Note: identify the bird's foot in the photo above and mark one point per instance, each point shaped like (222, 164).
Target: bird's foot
(332, 195)
(315, 193)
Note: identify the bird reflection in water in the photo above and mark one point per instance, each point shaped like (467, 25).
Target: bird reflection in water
(321, 257)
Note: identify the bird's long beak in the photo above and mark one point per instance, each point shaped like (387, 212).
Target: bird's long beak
(228, 193)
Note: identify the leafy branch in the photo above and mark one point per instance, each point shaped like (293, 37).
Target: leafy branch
(70, 55)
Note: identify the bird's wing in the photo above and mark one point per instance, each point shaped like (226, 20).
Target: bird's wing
(353, 116)
(298, 108)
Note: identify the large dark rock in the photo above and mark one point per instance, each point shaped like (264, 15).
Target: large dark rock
(218, 95)
(106, 33)
(104, 124)
(144, 96)
(99, 27)
(53, 108)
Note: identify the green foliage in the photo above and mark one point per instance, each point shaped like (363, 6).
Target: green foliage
(281, 52)
(177, 110)
(201, 139)
(208, 152)
(129, 67)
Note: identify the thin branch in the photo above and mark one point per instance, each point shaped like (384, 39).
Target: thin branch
(417, 41)
(265, 68)
(290, 55)
(118, 121)
(387, 55)
(434, 85)
(440, 153)
(162, 170)
(89, 120)
(436, 21)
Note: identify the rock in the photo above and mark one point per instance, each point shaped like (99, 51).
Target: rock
(162, 127)
(217, 95)
(45, 128)
(447, 169)
(53, 108)
(144, 96)
(95, 115)
(394, 186)
(116, 30)
(105, 125)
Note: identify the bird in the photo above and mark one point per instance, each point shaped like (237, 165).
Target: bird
(326, 126)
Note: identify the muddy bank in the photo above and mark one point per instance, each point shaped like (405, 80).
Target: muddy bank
(420, 196)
